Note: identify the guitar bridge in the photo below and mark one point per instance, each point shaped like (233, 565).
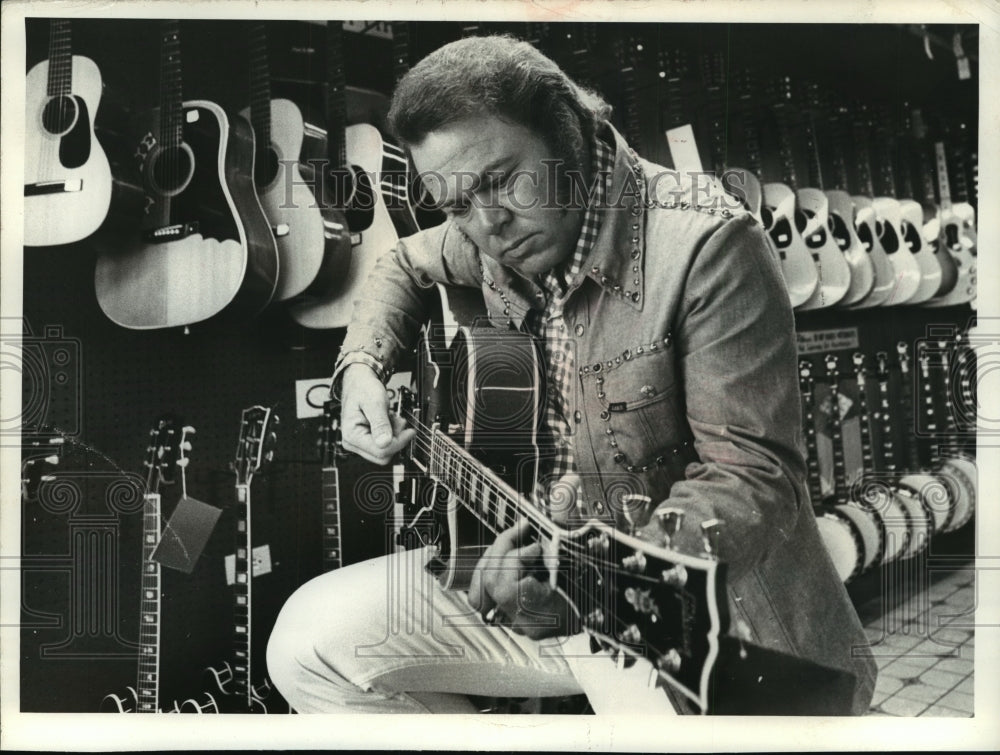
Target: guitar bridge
(43, 188)
(170, 232)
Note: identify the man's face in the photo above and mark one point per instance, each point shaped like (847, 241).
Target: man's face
(490, 177)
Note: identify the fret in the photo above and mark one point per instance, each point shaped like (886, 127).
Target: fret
(60, 74)
(171, 125)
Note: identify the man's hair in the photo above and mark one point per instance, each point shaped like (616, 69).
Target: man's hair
(497, 76)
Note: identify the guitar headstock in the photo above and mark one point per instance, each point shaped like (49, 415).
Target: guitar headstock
(860, 371)
(256, 444)
(161, 453)
(653, 602)
(328, 442)
(806, 380)
(183, 446)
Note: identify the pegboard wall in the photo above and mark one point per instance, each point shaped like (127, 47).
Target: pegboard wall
(105, 385)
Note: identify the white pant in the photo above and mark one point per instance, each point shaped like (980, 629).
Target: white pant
(382, 636)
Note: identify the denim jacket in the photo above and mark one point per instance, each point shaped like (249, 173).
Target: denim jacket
(686, 391)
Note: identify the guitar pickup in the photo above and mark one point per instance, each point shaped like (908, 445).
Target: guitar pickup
(171, 232)
(43, 188)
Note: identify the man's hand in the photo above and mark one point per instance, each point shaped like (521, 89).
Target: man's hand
(507, 586)
(367, 428)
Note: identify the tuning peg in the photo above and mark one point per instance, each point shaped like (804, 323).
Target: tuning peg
(671, 519)
(275, 419)
(269, 456)
(711, 530)
(188, 430)
(633, 507)
(182, 463)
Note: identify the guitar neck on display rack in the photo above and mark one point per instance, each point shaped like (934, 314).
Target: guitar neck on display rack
(163, 451)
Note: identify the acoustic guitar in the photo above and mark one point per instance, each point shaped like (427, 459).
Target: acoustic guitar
(201, 244)
(369, 181)
(290, 206)
(67, 178)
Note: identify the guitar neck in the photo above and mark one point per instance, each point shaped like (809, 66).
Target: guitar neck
(837, 440)
(944, 188)
(148, 683)
(171, 94)
(332, 554)
(242, 593)
(336, 94)
(862, 162)
(886, 457)
(400, 49)
(909, 417)
(809, 425)
(60, 78)
(260, 90)
(864, 415)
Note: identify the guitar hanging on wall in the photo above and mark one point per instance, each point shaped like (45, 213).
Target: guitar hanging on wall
(201, 244)
(290, 206)
(368, 179)
(67, 177)
(162, 453)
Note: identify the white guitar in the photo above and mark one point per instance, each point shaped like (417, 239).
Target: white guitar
(67, 178)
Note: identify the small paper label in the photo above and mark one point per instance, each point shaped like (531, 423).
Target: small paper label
(259, 565)
(185, 535)
(817, 341)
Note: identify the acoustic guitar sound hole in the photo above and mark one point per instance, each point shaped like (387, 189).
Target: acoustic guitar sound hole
(265, 169)
(887, 235)
(817, 238)
(839, 231)
(171, 170)
(865, 236)
(911, 237)
(59, 115)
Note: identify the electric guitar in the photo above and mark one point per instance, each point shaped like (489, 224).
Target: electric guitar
(163, 451)
(233, 682)
(67, 177)
(368, 179)
(201, 244)
(329, 446)
(633, 597)
(289, 204)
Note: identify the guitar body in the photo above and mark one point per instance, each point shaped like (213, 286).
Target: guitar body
(797, 265)
(202, 245)
(866, 226)
(67, 178)
(911, 225)
(372, 235)
(834, 272)
(841, 214)
(288, 203)
(907, 273)
(958, 239)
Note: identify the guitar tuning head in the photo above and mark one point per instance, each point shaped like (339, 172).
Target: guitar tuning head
(858, 358)
(670, 519)
(711, 531)
(188, 430)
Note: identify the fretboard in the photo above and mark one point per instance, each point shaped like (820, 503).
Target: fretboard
(887, 457)
(909, 417)
(260, 91)
(336, 93)
(837, 442)
(148, 683)
(60, 79)
(332, 554)
(171, 124)
(864, 418)
(944, 190)
(242, 581)
(812, 455)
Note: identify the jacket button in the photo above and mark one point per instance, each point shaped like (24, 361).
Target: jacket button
(598, 507)
(605, 414)
(647, 390)
(577, 417)
(579, 329)
(619, 458)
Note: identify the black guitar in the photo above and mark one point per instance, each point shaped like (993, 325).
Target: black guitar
(633, 597)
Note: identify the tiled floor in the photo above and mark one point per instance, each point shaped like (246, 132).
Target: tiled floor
(923, 642)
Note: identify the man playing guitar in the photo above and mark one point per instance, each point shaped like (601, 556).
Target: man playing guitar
(671, 414)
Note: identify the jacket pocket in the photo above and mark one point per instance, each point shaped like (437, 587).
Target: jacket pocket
(634, 410)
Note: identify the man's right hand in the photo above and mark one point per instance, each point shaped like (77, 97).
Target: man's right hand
(367, 428)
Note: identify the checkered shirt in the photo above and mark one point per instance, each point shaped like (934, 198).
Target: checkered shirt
(548, 325)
